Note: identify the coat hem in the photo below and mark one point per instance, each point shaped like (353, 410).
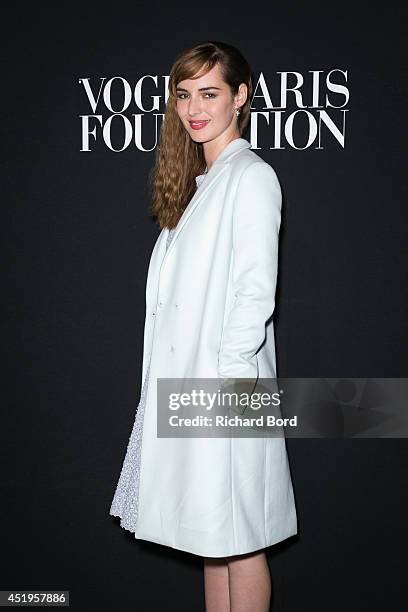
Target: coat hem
(218, 555)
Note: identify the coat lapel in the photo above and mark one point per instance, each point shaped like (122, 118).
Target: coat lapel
(217, 169)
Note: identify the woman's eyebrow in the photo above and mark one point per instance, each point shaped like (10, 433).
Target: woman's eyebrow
(201, 88)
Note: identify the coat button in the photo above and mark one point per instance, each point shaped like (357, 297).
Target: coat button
(172, 349)
(160, 304)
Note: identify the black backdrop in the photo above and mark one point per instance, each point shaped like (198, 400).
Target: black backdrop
(78, 239)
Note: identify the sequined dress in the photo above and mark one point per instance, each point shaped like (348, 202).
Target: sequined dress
(126, 497)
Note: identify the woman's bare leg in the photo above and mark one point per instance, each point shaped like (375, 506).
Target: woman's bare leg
(249, 583)
(216, 585)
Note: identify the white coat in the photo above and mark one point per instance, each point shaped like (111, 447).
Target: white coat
(209, 302)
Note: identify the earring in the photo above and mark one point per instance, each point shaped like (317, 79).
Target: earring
(237, 110)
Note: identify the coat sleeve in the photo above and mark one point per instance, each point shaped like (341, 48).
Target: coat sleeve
(255, 234)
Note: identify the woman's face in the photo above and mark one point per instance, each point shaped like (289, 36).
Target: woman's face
(205, 106)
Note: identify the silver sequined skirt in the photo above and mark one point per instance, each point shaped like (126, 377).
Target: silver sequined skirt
(126, 497)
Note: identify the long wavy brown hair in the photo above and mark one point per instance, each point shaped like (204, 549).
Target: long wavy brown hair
(178, 158)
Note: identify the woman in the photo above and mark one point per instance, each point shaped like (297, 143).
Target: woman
(210, 296)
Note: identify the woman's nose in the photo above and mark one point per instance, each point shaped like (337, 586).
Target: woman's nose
(194, 106)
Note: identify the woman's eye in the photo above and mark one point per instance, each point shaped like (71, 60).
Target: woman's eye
(182, 96)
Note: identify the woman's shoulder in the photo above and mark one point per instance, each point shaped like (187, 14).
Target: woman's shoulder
(252, 166)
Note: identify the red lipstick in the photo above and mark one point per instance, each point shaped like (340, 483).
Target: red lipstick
(197, 125)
